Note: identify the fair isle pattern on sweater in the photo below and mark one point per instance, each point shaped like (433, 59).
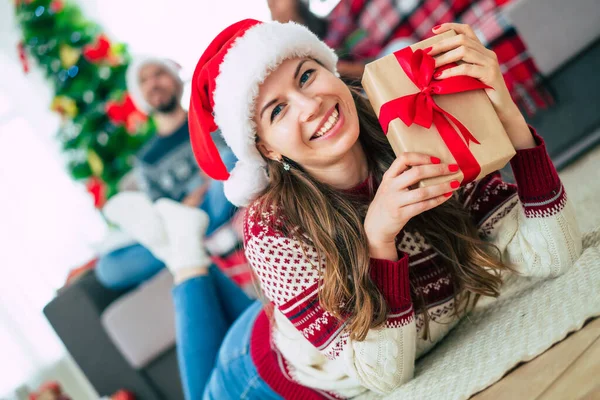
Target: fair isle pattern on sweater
(165, 166)
(289, 273)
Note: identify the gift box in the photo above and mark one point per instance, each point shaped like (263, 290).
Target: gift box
(452, 119)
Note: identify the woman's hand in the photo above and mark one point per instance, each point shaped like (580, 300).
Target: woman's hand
(481, 63)
(395, 203)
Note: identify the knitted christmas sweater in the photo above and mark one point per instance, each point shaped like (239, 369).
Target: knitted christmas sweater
(307, 353)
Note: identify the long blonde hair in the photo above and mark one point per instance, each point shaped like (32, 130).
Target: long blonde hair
(333, 220)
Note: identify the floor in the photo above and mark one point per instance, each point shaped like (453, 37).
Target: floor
(568, 370)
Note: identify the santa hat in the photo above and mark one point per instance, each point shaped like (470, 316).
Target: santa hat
(225, 87)
(133, 78)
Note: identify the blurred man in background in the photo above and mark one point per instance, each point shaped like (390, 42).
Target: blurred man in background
(165, 168)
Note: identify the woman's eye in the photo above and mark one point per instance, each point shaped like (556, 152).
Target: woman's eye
(306, 76)
(278, 108)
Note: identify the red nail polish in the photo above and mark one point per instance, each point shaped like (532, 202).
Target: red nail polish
(453, 167)
(435, 160)
(437, 74)
(454, 184)
(428, 49)
(435, 28)
(448, 194)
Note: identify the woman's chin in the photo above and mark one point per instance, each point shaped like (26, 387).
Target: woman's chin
(338, 147)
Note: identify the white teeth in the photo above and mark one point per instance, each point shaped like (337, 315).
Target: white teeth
(331, 121)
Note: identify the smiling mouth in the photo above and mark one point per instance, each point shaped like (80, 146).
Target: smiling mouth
(330, 123)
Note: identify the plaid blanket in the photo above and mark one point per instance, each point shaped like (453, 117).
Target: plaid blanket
(360, 30)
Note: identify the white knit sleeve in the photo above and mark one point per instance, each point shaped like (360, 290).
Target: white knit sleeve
(385, 359)
(532, 223)
(546, 245)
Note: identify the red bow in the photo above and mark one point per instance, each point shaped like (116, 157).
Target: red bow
(420, 108)
(125, 113)
(97, 188)
(97, 51)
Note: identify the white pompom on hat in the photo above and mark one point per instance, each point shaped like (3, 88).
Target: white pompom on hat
(224, 89)
(133, 78)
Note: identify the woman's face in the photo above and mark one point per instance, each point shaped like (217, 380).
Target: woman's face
(305, 113)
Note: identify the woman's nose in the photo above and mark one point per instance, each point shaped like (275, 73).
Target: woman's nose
(309, 107)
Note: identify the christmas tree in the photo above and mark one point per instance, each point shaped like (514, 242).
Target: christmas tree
(101, 129)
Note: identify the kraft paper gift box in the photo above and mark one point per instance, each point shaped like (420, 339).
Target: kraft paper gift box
(392, 92)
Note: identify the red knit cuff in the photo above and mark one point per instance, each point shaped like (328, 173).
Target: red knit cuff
(535, 175)
(391, 278)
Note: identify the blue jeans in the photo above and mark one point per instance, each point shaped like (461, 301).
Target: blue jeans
(132, 265)
(214, 319)
(127, 267)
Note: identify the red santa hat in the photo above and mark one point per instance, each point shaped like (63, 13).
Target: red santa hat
(225, 87)
(133, 78)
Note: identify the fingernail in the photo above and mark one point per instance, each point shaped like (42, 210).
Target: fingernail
(428, 49)
(435, 160)
(454, 184)
(448, 194)
(437, 74)
(453, 167)
(435, 28)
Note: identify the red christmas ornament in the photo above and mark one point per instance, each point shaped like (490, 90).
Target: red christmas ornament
(117, 111)
(134, 121)
(56, 6)
(23, 56)
(97, 188)
(98, 51)
(125, 113)
(122, 395)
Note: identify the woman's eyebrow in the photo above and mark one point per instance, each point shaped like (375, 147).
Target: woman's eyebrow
(300, 64)
(269, 104)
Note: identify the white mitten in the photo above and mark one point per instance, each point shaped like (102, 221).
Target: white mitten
(185, 228)
(135, 214)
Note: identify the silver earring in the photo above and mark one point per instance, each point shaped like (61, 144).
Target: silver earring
(286, 166)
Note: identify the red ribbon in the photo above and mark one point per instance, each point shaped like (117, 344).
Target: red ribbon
(420, 108)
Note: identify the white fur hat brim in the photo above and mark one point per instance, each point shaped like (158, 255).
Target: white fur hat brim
(246, 182)
(248, 62)
(133, 78)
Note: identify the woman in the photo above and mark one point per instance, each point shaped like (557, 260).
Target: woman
(363, 272)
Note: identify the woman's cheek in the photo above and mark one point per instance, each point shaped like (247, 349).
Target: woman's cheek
(287, 136)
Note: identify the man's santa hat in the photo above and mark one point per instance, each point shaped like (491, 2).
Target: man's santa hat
(133, 78)
(225, 87)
